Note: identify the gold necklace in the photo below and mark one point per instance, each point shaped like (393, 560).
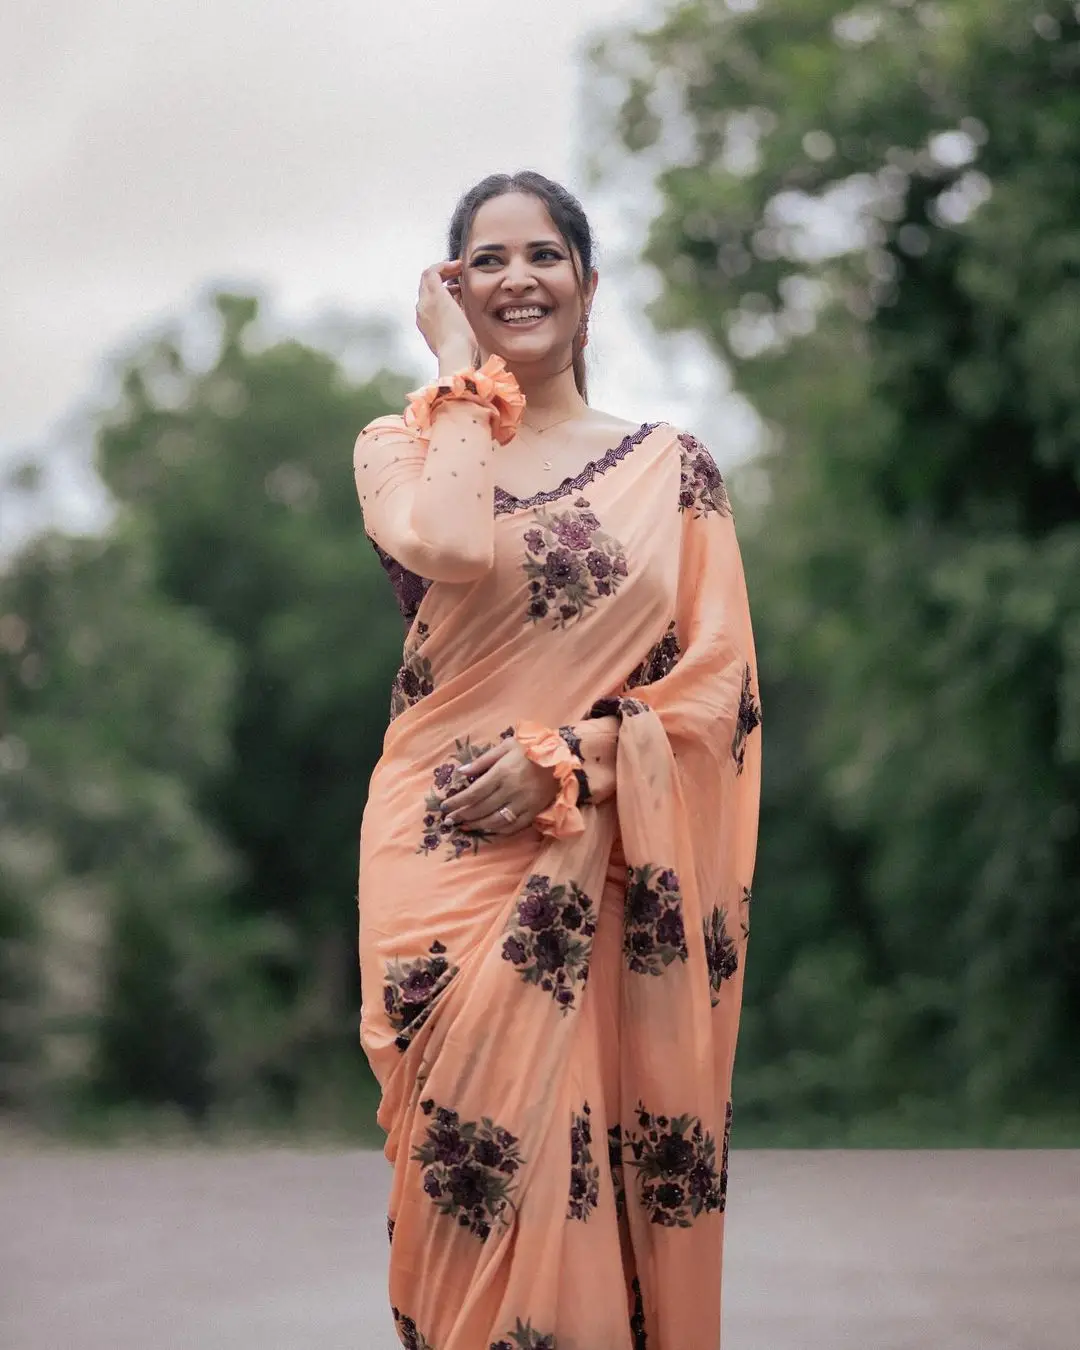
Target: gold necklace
(539, 431)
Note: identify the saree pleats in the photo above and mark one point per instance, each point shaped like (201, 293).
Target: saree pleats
(553, 1019)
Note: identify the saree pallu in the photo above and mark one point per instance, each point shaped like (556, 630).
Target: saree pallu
(552, 1020)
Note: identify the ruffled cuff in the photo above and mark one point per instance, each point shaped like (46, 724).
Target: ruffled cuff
(492, 387)
(546, 747)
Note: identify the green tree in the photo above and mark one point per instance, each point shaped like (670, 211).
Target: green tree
(239, 471)
(114, 718)
(870, 214)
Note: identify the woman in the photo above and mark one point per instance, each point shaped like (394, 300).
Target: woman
(557, 849)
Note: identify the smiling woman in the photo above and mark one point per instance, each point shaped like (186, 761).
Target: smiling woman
(559, 841)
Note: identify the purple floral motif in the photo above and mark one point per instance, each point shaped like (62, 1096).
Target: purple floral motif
(724, 1157)
(390, 1230)
(615, 705)
(447, 781)
(637, 1318)
(570, 563)
(410, 991)
(584, 1173)
(414, 680)
(660, 660)
(721, 954)
(469, 1168)
(744, 912)
(409, 1336)
(573, 744)
(749, 718)
(701, 486)
(676, 1165)
(523, 1337)
(653, 931)
(409, 589)
(615, 1165)
(549, 938)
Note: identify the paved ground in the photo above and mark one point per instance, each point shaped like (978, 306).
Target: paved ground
(285, 1250)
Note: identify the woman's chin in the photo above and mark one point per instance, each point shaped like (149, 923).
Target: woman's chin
(526, 348)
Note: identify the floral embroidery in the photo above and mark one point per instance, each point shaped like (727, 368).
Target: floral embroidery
(653, 932)
(570, 563)
(448, 781)
(523, 1337)
(550, 938)
(410, 991)
(573, 742)
(584, 1174)
(406, 1330)
(659, 661)
(744, 912)
(409, 589)
(469, 1168)
(701, 487)
(721, 954)
(637, 1317)
(615, 706)
(615, 1166)
(748, 719)
(724, 1158)
(676, 1165)
(390, 1230)
(414, 680)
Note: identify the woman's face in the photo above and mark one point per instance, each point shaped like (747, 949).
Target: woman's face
(519, 289)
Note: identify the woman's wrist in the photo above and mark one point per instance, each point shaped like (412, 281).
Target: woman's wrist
(455, 356)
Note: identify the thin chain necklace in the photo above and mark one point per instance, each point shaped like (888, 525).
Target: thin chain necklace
(539, 431)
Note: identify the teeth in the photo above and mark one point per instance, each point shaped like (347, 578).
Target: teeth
(511, 314)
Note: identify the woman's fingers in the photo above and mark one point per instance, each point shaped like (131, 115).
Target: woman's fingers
(496, 823)
(474, 800)
(482, 763)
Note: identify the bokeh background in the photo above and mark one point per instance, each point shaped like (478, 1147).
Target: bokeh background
(842, 244)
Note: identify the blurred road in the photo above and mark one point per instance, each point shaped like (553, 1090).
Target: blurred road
(286, 1250)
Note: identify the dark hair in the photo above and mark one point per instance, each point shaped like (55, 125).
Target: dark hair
(567, 216)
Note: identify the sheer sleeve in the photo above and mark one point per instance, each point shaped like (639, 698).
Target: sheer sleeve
(430, 506)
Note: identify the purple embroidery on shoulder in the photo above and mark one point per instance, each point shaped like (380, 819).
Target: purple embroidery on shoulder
(409, 589)
(505, 502)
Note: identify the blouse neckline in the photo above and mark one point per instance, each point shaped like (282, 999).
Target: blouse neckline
(506, 503)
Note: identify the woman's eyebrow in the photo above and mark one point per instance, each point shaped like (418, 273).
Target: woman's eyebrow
(501, 248)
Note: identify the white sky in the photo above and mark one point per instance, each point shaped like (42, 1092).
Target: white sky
(312, 152)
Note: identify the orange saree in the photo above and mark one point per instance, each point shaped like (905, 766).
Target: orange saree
(552, 1017)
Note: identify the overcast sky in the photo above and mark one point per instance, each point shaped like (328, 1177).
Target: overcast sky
(311, 151)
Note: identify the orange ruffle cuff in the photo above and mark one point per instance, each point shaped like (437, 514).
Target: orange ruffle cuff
(491, 387)
(546, 747)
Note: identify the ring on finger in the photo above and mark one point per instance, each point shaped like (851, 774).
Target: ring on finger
(506, 814)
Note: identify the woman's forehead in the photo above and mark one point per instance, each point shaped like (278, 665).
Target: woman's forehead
(513, 219)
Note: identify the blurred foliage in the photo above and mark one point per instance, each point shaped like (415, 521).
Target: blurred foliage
(870, 214)
(195, 703)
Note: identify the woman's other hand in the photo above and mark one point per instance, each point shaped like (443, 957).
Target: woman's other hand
(441, 319)
(503, 777)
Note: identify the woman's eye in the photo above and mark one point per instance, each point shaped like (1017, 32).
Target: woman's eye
(482, 259)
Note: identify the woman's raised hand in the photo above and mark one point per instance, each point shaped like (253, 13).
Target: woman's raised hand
(439, 315)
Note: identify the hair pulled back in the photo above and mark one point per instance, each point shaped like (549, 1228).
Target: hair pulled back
(567, 215)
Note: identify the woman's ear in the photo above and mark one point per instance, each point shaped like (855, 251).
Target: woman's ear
(590, 290)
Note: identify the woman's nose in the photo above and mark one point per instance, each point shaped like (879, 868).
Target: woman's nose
(518, 276)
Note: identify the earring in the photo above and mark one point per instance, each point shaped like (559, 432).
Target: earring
(583, 332)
